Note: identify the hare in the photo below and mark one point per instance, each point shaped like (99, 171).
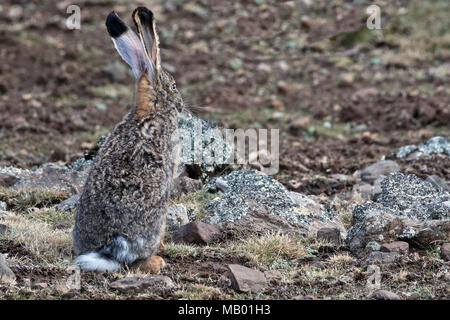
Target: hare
(122, 211)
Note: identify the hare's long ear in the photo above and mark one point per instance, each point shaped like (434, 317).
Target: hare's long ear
(145, 23)
(127, 44)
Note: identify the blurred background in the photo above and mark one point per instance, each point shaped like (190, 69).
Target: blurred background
(342, 95)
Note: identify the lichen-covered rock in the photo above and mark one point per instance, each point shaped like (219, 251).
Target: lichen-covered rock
(250, 199)
(198, 138)
(408, 208)
(49, 176)
(434, 145)
(176, 217)
(414, 198)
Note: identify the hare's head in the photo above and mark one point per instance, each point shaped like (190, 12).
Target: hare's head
(156, 91)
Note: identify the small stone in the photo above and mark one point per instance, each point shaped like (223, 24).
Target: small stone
(6, 274)
(176, 217)
(318, 265)
(197, 232)
(364, 190)
(244, 279)
(445, 251)
(332, 235)
(3, 229)
(41, 285)
(372, 172)
(373, 246)
(438, 182)
(401, 247)
(153, 265)
(299, 124)
(157, 283)
(378, 257)
(69, 203)
(385, 295)
(62, 289)
(7, 180)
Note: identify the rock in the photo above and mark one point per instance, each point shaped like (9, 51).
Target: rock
(153, 264)
(49, 176)
(7, 180)
(364, 190)
(332, 235)
(372, 222)
(6, 274)
(445, 251)
(157, 283)
(244, 279)
(183, 185)
(378, 257)
(414, 198)
(3, 229)
(299, 124)
(373, 246)
(408, 208)
(257, 202)
(372, 172)
(197, 137)
(434, 145)
(401, 247)
(197, 232)
(69, 203)
(177, 216)
(438, 183)
(385, 295)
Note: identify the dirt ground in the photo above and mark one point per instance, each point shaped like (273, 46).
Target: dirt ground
(360, 94)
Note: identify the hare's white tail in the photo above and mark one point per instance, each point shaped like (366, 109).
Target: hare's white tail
(112, 257)
(94, 261)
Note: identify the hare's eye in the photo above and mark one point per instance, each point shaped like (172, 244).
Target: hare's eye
(174, 86)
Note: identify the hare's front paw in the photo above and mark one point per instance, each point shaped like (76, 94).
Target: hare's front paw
(153, 264)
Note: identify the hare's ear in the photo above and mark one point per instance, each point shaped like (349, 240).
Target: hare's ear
(127, 44)
(145, 23)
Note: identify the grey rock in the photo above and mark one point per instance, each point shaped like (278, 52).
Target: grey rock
(372, 222)
(438, 183)
(244, 279)
(7, 276)
(414, 198)
(364, 190)
(204, 149)
(157, 283)
(401, 247)
(372, 172)
(332, 235)
(3, 229)
(257, 201)
(434, 145)
(445, 251)
(52, 176)
(176, 217)
(183, 185)
(378, 257)
(385, 295)
(3, 205)
(70, 203)
(373, 246)
(196, 232)
(408, 208)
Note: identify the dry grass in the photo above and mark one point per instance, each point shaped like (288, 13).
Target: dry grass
(343, 258)
(22, 199)
(39, 237)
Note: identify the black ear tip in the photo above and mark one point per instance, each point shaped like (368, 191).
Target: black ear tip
(145, 14)
(115, 26)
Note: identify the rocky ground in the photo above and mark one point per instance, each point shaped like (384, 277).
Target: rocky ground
(360, 208)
